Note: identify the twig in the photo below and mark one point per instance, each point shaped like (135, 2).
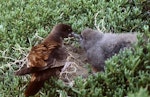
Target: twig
(95, 21)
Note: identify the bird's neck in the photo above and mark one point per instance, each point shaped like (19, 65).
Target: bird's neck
(53, 37)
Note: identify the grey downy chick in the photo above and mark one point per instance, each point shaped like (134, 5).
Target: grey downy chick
(101, 46)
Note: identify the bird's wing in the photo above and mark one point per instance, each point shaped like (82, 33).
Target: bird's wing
(41, 57)
(40, 54)
(38, 79)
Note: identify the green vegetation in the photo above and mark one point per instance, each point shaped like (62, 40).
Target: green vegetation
(126, 74)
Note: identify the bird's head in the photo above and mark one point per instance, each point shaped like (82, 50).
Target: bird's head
(86, 34)
(89, 34)
(89, 37)
(63, 30)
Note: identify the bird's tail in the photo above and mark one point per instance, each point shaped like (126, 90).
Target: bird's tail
(38, 79)
(33, 87)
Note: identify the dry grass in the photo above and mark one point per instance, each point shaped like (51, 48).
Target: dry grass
(74, 67)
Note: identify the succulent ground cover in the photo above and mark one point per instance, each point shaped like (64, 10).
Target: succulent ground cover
(23, 23)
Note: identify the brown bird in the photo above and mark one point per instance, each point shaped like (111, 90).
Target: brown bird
(43, 57)
(101, 46)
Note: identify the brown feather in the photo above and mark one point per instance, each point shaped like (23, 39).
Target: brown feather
(42, 57)
(59, 54)
(40, 53)
(33, 87)
(38, 79)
